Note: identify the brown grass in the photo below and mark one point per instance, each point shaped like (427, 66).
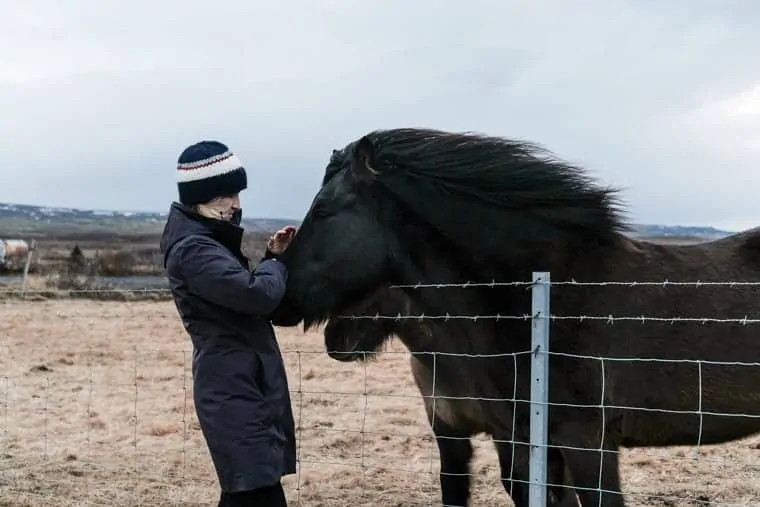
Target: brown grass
(97, 409)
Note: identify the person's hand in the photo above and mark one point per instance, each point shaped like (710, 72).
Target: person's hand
(280, 241)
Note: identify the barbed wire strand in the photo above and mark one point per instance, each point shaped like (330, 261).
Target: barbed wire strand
(423, 285)
(575, 283)
(609, 319)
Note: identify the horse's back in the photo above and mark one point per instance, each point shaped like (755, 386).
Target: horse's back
(700, 319)
(682, 353)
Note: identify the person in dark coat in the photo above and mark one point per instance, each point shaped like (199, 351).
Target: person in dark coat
(239, 383)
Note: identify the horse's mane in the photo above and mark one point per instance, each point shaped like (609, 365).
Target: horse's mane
(496, 194)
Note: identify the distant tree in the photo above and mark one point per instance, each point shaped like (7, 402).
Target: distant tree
(77, 260)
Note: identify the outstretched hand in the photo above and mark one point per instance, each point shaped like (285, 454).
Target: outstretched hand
(280, 241)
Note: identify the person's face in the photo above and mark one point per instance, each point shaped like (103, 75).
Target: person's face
(221, 208)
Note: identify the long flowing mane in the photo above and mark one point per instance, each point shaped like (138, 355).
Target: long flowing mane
(465, 183)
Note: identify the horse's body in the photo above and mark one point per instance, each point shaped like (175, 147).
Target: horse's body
(454, 403)
(407, 206)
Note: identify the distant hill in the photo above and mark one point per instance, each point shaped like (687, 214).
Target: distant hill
(28, 218)
(677, 231)
(25, 217)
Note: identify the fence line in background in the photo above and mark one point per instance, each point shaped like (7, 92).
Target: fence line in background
(540, 318)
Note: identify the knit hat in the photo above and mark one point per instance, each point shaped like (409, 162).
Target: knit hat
(207, 170)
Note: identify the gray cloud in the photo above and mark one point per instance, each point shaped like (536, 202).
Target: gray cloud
(97, 101)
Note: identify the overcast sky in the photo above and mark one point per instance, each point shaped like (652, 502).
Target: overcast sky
(97, 99)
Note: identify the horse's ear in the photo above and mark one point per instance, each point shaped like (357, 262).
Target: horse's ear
(363, 160)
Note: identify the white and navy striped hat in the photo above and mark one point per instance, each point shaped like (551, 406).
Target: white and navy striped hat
(206, 170)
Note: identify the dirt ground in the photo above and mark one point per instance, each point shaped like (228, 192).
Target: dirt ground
(96, 409)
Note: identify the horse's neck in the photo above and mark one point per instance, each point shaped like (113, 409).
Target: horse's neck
(460, 334)
(431, 258)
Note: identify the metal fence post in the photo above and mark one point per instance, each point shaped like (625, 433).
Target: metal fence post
(539, 390)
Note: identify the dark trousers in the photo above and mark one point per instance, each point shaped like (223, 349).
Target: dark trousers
(272, 496)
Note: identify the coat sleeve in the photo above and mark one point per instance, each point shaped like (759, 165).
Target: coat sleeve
(214, 275)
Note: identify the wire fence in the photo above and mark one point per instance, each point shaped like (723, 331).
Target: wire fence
(96, 408)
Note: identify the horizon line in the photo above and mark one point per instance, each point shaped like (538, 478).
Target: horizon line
(283, 218)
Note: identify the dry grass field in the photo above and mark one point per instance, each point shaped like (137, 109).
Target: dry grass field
(99, 252)
(96, 409)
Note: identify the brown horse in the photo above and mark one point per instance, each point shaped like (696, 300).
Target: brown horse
(455, 406)
(405, 206)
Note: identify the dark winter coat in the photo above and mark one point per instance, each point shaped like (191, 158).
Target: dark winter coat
(240, 387)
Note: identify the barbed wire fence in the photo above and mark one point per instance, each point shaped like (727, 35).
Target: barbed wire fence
(108, 418)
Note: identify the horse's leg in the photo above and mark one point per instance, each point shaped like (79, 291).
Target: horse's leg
(453, 439)
(559, 475)
(513, 462)
(561, 492)
(515, 476)
(583, 459)
(455, 449)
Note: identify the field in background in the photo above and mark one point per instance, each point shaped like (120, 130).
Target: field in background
(87, 257)
(97, 410)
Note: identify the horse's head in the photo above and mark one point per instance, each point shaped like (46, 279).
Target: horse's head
(363, 328)
(345, 245)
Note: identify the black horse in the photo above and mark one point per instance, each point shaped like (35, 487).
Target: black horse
(455, 405)
(404, 206)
